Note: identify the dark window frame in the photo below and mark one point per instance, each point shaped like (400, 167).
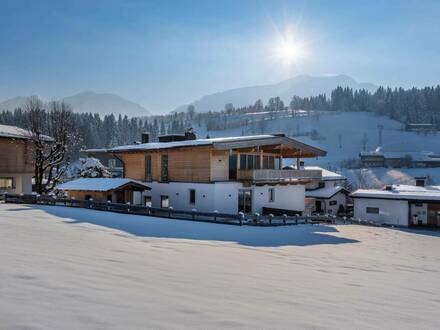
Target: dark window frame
(372, 210)
(148, 168)
(164, 198)
(192, 196)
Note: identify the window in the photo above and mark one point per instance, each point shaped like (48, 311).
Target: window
(192, 196)
(164, 168)
(419, 204)
(148, 176)
(6, 183)
(164, 201)
(112, 163)
(243, 159)
(373, 210)
(147, 201)
(334, 203)
(271, 195)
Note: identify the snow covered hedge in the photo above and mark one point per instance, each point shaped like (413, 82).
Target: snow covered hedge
(87, 168)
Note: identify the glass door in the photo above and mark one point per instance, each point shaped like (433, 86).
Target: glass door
(245, 200)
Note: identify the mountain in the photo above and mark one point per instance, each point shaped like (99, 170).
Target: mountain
(102, 103)
(302, 85)
(11, 104)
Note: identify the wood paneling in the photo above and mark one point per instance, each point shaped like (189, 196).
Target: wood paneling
(16, 156)
(219, 165)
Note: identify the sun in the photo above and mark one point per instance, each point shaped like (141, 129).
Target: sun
(288, 49)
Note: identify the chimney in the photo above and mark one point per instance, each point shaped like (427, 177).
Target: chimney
(420, 181)
(189, 134)
(145, 137)
(389, 187)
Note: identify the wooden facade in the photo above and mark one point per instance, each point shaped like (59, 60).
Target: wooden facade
(208, 163)
(16, 156)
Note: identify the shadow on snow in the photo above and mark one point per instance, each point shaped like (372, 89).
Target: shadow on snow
(145, 226)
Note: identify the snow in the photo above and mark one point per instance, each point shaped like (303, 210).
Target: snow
(406, 192)
(326, 192)
(326, 174)
(14, 132)
(65, 268)
(97, 184)
(87, 167)
(188, 143)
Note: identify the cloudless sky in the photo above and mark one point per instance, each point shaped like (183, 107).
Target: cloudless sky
(162, 54)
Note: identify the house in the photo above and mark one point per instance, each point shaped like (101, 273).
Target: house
(16, 160)
(116, 190)
(399, 205)
(224, 174)
(329, 193)
(380, 158)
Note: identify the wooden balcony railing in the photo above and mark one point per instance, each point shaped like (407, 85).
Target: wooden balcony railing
(278, 175)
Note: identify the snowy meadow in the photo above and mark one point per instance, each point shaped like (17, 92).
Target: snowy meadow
(65, 268)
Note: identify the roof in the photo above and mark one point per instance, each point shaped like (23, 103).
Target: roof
(326, 174)
(225, 143)
(99, 184)
(14, 132)
(401, 192)
(326, 192)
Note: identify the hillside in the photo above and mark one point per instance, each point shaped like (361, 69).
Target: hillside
(303, 85)
(102, 103)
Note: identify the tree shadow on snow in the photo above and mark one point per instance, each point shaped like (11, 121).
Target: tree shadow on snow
(144, 226)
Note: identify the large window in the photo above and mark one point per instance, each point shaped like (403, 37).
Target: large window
(192, 196)
(164, 201)
(249, 162)
(148, 174)
(6, 183)
(372, 210)
(164, 168)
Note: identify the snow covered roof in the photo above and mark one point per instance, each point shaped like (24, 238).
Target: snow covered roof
(99, 184)
(425, 156)
(224, 143)
(14, 132)
(405, 192)
(326, 192)
(326, 174)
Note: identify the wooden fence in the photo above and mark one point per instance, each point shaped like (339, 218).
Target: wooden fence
(213, 217)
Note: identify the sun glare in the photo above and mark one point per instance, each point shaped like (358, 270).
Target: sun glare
(289, 50)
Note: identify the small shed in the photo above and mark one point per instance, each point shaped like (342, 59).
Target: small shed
(117, 190)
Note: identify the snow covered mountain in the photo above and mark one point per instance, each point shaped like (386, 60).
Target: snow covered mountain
(102, 103)
(302, 85)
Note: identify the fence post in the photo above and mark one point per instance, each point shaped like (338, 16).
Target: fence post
(170, 209)
(128, 207)
(257, 217)
(90, 203)
(240, 217)
(296, 219)
(193, 213)
(284, 218)
(270, 218)
(6, 197)
(215, 215)
(108, 205)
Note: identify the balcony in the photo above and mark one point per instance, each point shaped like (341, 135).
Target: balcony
(277, 175)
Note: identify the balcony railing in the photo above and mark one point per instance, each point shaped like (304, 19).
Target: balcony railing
(278, 175)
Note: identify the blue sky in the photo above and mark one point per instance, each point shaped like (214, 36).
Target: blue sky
(162, 54)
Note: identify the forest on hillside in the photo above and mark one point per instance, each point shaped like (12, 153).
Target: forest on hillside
(94, 131)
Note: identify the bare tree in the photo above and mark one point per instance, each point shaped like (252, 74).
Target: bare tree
(52, 132)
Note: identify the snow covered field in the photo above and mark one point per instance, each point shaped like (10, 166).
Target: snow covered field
(63, 268)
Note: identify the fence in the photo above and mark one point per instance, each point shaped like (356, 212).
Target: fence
(213, 217)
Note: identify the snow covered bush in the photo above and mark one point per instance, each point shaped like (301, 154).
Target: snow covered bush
(87, 168)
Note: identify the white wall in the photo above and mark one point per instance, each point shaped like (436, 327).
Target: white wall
(340, 198)
(289, 197)
(421, 211)
(393, 212)
(22, 182)
(223, 196)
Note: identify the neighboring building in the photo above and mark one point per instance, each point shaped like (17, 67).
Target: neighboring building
(224, 174)
(109, 160)
(399, 205)
(16, 160)
(329, 193)
(116, 190)
(420, 127)
(399, 159)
